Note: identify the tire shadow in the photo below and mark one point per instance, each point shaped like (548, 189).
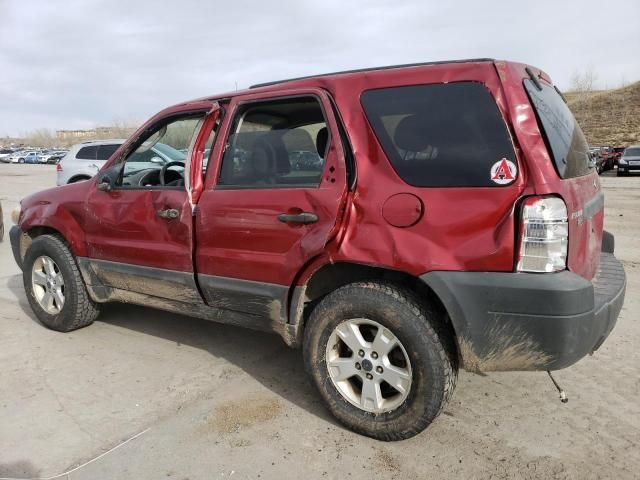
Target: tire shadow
(264, 356)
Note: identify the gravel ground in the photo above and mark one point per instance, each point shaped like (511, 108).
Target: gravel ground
(213, 401)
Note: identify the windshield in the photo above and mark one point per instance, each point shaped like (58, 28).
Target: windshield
(632, 152)
(563, 136)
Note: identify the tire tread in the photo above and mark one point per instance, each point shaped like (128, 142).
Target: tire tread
(435, 327)
(86, 310)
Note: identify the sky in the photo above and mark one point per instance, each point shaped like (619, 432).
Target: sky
(84, 63)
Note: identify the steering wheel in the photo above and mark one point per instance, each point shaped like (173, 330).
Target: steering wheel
(166, 166)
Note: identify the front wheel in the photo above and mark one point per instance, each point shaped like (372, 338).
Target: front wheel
(54, 286)
(380, 359)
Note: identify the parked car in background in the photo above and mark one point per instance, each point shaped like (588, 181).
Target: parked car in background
(85, 159)
(617, 153)
(608, 155)
(23, 156)
(479, 245)
(55, 157)
(31, 157)
(629, 161)
(597, 158)
(17, 157)
(5, 153)
(44, 155)
(51, 156)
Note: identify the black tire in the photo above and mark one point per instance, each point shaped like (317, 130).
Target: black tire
(78, 309)
(620, 174)
(79, 179)
(21, 160)
(425, 338)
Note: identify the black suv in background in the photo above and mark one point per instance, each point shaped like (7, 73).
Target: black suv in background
(629, 161)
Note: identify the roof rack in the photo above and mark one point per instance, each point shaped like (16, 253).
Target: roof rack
(368, 69)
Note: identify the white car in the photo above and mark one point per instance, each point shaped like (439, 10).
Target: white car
(84, 160)
(23, 156)
(5, 153)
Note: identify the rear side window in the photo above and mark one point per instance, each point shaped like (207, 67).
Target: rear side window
(87, 153)
(105, 151)
(440, 135)
(563, 136)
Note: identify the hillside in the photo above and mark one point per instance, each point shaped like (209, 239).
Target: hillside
(608, 117)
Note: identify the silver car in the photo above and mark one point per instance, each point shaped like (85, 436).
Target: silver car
(85, 159)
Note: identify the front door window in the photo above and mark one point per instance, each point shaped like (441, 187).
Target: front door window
(159, 161)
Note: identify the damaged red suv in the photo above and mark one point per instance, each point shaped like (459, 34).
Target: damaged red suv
(397, 223)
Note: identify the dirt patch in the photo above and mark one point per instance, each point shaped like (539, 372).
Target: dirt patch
(386, 462)
(233, 416)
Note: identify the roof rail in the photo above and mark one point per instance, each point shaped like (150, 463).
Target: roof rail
(368, 69)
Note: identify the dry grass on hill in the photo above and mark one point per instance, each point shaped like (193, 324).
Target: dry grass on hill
(608, 117)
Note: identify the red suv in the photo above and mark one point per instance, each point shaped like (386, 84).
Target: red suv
(445, 215)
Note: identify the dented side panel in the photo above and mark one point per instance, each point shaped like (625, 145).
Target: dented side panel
(461, 228)
(61, 209)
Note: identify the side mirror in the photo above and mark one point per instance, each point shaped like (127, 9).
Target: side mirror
(157, 160)
(109, 177)
(104, 184)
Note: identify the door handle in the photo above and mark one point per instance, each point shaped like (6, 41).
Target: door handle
(304, 218)
(169, 213)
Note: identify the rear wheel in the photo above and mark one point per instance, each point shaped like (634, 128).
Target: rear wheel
(21, 160)
(54, 286)
(380, 359)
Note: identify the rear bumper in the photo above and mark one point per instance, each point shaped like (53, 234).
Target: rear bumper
(523, 321)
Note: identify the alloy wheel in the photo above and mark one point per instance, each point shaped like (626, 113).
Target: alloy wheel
(47, 284)
(368, 365)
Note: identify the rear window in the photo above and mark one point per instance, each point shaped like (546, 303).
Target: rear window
(87, 153)
(105, 151)
(440, 135)
(563, 136)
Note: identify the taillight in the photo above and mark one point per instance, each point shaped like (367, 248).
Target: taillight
(58, 167)
(544, 235)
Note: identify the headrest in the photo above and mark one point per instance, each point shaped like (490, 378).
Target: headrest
(321, 141)
(411, 134)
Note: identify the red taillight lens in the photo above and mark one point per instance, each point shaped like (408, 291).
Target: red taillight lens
(58, 167)
(544, 235)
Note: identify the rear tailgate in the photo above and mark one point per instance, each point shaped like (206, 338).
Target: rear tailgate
(585, 203)
(561, 164)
